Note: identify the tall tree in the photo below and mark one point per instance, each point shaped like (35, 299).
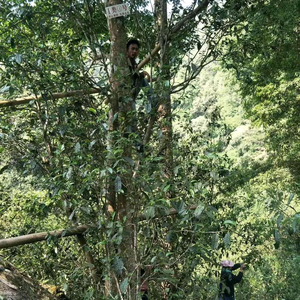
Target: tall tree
(85, 160)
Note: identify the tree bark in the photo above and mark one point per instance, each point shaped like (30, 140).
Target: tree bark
(164, 110)
(120, 124)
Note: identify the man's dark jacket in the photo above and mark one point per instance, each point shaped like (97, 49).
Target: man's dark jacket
(228, 280)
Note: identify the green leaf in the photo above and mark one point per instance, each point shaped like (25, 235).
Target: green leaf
(118, 265)
(153, 259)
(279, 220)
(124, 285)
(192, 192)
(176, 169)
(129, 160)
(69, 173)
(198, 211)
(290, 199)
(179, 206)
(194, 67)
(92, 110)
(277, 239)
(229, 222)
(92, 143)
(276, 235)
(150, 212)
(210, 211)
(115, 117)
(171, 237)
(166, 188)
(296, 221)
(215, 241)
(118, 184)
(5, 88)
(77, 147)
(227, 239)
(18, 58)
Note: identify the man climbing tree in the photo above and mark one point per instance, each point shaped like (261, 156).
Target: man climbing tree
(133, 51)
(139, 81)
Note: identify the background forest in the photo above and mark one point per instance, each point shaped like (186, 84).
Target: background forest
(210, 172)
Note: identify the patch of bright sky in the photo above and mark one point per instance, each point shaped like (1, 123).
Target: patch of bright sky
(184, 3)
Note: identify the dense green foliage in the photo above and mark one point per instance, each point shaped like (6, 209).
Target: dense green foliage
(56, 156)
(264, 51)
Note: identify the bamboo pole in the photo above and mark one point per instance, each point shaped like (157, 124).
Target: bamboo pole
(25, 100)
(42, 236)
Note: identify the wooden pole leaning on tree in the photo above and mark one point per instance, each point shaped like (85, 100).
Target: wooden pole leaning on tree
(202, 6)
(42, 236)
(25, 100)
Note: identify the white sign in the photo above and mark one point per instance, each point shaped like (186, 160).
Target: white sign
(120, 10)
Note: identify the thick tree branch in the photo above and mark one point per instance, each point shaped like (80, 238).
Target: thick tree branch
(201, 7)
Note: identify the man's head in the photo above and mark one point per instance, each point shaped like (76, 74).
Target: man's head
(227, 264)
(133, 48)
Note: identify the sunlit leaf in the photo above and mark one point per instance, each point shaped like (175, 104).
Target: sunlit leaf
(150, 212)
(227, 239)
(179, 206)
(279, 220)
(77, 147)
(215, 241)
(198, 211)
(229, 222)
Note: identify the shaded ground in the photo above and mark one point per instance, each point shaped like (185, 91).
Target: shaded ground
(15, 285)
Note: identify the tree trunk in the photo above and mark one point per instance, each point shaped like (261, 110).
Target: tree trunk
(164, 110)
(120, 188)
